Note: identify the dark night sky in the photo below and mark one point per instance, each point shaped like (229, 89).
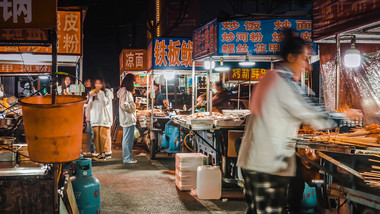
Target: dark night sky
(111, 25)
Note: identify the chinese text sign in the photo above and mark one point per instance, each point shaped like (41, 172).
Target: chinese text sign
(69, 32)
(259, 37)
(28, 14)
(175, 53)
(133, 60)
(205, 40)
(332, 17)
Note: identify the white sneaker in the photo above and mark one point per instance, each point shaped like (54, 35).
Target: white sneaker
(131, 161)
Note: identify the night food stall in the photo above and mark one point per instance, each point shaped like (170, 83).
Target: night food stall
(348, 157)
(239, 51)
(169, 77)
(29, 37)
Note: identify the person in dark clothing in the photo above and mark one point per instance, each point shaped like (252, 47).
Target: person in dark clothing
(160, 98)
(221, 98)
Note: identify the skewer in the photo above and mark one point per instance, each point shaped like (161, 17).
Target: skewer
(375, 167)
(373, 160)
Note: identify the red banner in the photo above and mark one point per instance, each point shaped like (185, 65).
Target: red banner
(331, 17)
(15, 68)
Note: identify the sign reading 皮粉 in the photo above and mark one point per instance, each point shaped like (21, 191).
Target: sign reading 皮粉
(133, 60)
(171, 53)
(259, 37)
(38, 14)
(205, 40)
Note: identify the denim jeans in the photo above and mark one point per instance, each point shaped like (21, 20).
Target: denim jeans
(128, 138)
(90, 133)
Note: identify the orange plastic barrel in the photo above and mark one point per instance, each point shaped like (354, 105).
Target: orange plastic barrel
(53, 131)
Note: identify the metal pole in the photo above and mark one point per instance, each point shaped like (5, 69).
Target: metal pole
(209, 91)
(337, 61)
(193, 88)
(152, 96)
(238, 105)
(53, 100)
(208, 88)
(167, 92)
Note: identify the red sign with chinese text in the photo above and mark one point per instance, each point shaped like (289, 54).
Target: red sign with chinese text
(331, 17)
(133, 60)
(69, 32)
(37, 14)
(253, 74)
(16, 68)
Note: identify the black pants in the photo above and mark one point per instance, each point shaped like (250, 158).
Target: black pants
(265, 193)
(296, 188)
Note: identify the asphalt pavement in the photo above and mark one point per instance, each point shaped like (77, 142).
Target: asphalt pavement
(149, 187)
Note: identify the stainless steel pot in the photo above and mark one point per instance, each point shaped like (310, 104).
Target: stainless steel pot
(7, 140)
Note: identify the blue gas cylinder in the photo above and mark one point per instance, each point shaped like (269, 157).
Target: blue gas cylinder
(86, 187)
(309, 200)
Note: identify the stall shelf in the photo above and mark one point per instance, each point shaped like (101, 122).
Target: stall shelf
(344, 164)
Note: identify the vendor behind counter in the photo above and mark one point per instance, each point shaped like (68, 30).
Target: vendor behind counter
(221, 99)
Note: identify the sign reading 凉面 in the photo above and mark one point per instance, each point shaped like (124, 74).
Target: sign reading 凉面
(133, 60)
(40, 14)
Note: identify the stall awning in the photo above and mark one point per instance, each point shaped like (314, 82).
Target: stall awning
(38, 59)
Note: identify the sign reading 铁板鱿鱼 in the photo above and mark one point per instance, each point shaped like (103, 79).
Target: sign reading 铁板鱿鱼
(170, 53)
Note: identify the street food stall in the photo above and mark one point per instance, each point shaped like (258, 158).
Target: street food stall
(238, 51)
(347, 157)
(169, 78)
(29, 60)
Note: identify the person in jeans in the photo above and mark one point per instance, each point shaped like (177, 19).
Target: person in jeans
(100, 107)
(127, 116)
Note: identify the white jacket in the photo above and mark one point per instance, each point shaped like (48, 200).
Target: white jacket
(127, 108)
(101, 109)
(279, 105)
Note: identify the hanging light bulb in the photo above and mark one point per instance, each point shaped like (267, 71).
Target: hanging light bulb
(352, 58)
(247, 63)
(222, 68)
(206, 65)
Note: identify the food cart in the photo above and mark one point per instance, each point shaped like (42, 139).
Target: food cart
(169, 67)
(28, 50)
(348, 162)
(231, 49)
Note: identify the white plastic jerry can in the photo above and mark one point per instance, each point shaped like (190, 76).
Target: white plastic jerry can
(209, 182)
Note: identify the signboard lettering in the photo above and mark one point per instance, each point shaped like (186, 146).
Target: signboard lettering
(16, 68)
(133, 60)
(333, 17)
(28, 14)
(68, 32)
(261, 37)
(173, 53)
(253, 74)
(205, 39)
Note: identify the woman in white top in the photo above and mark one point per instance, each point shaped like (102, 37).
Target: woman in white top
(127, 116)
(64, 88)
(100, 107)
